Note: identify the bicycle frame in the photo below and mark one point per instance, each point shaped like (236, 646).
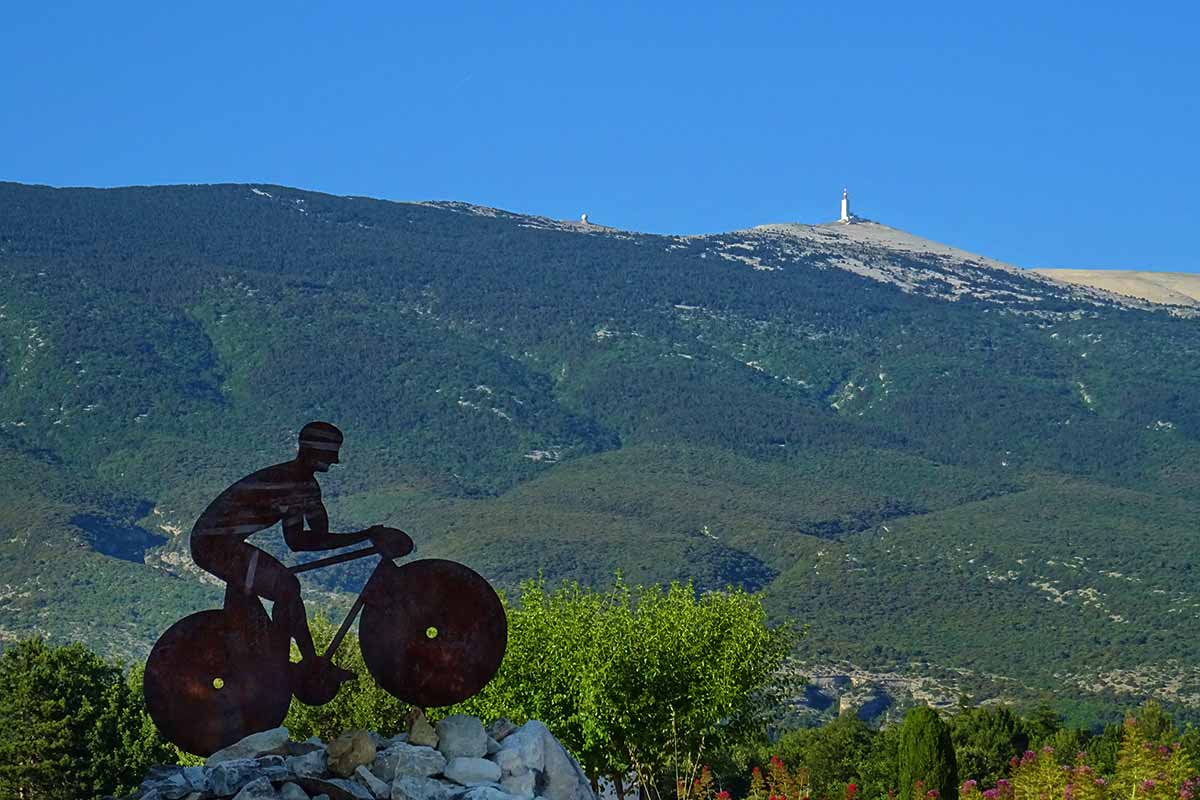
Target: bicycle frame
(356, 608)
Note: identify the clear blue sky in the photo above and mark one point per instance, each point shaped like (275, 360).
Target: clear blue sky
(1042, 133)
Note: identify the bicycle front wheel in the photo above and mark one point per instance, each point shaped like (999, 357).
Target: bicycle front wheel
(433, 632)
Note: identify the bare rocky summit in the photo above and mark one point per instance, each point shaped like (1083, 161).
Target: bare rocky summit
(1165, 288)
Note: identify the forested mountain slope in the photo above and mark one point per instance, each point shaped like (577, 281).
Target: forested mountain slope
(929, 456)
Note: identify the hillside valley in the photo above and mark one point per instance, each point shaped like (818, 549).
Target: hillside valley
(946, 467)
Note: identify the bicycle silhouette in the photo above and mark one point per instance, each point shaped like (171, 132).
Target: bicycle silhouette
(433, 632)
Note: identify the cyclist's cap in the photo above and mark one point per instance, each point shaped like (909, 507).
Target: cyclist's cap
(320, 436)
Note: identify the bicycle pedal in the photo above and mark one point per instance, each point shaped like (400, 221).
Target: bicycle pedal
(339, 675)
(316, 684)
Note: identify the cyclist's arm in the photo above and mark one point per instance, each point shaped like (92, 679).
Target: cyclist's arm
(317, 536)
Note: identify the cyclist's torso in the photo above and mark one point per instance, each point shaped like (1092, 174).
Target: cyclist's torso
(258, 501)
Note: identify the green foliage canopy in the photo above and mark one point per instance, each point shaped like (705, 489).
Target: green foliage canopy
(632, 676)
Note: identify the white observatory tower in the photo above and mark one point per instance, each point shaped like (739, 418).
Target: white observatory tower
(845, 207)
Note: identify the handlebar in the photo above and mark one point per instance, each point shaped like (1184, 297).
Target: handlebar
(352, 555)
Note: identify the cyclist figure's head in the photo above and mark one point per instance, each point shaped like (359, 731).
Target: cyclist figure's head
(319, 445)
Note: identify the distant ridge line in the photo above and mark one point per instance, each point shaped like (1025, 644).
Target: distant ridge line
(1162, 288)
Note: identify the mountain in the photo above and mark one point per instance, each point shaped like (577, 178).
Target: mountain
(943, 465)
(1167, 288)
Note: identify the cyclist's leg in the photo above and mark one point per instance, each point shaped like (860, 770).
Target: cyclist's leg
(272, 580)
(247, 569)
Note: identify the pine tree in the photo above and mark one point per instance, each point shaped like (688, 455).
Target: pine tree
(71, 725)
(927, 756)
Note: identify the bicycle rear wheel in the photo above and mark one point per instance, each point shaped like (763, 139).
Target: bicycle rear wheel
(211, 681)
(433, 632)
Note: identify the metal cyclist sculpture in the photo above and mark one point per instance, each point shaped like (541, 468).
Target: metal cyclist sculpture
(433, 632)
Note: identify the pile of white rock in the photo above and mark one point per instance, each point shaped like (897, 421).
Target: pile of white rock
(456, 760)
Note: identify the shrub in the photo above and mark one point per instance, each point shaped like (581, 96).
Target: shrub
(1146, 768)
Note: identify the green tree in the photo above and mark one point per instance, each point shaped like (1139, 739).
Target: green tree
(71, 725)
(927, 755)
(833, 755)
(879, 771)
(1041, 724)
(1102, 750)
(1068, 743)
(985, 739)
(1154, 724)
(359, 704)
(639, 677)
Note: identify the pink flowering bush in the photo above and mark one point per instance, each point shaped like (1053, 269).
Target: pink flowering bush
(1149, 771)
(780, 783)
(1039, 776)
(1145, 771)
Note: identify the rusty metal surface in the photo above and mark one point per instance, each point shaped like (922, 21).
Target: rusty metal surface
(216, 676)
(404, 605)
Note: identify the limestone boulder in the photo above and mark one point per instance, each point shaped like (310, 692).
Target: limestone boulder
(461, 736)
(309, 765)
(304, 748)
(486, 793)
(562, 778)
(415, 787)
(292, 791)
(420, 732)
(257, 789)
(335, 789)
(528, 742)
(227, 778)
(521, 784)
(407, 759)
(380, 789)
(197, 778)
(168, 783)
(472, 771)
(263, 743)
(509, 761)
(349, 751)
(527, 763)
(273, 768)
(159, 778)
(501, 728)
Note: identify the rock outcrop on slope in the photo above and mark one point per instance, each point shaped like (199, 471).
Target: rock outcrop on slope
(461, 761)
